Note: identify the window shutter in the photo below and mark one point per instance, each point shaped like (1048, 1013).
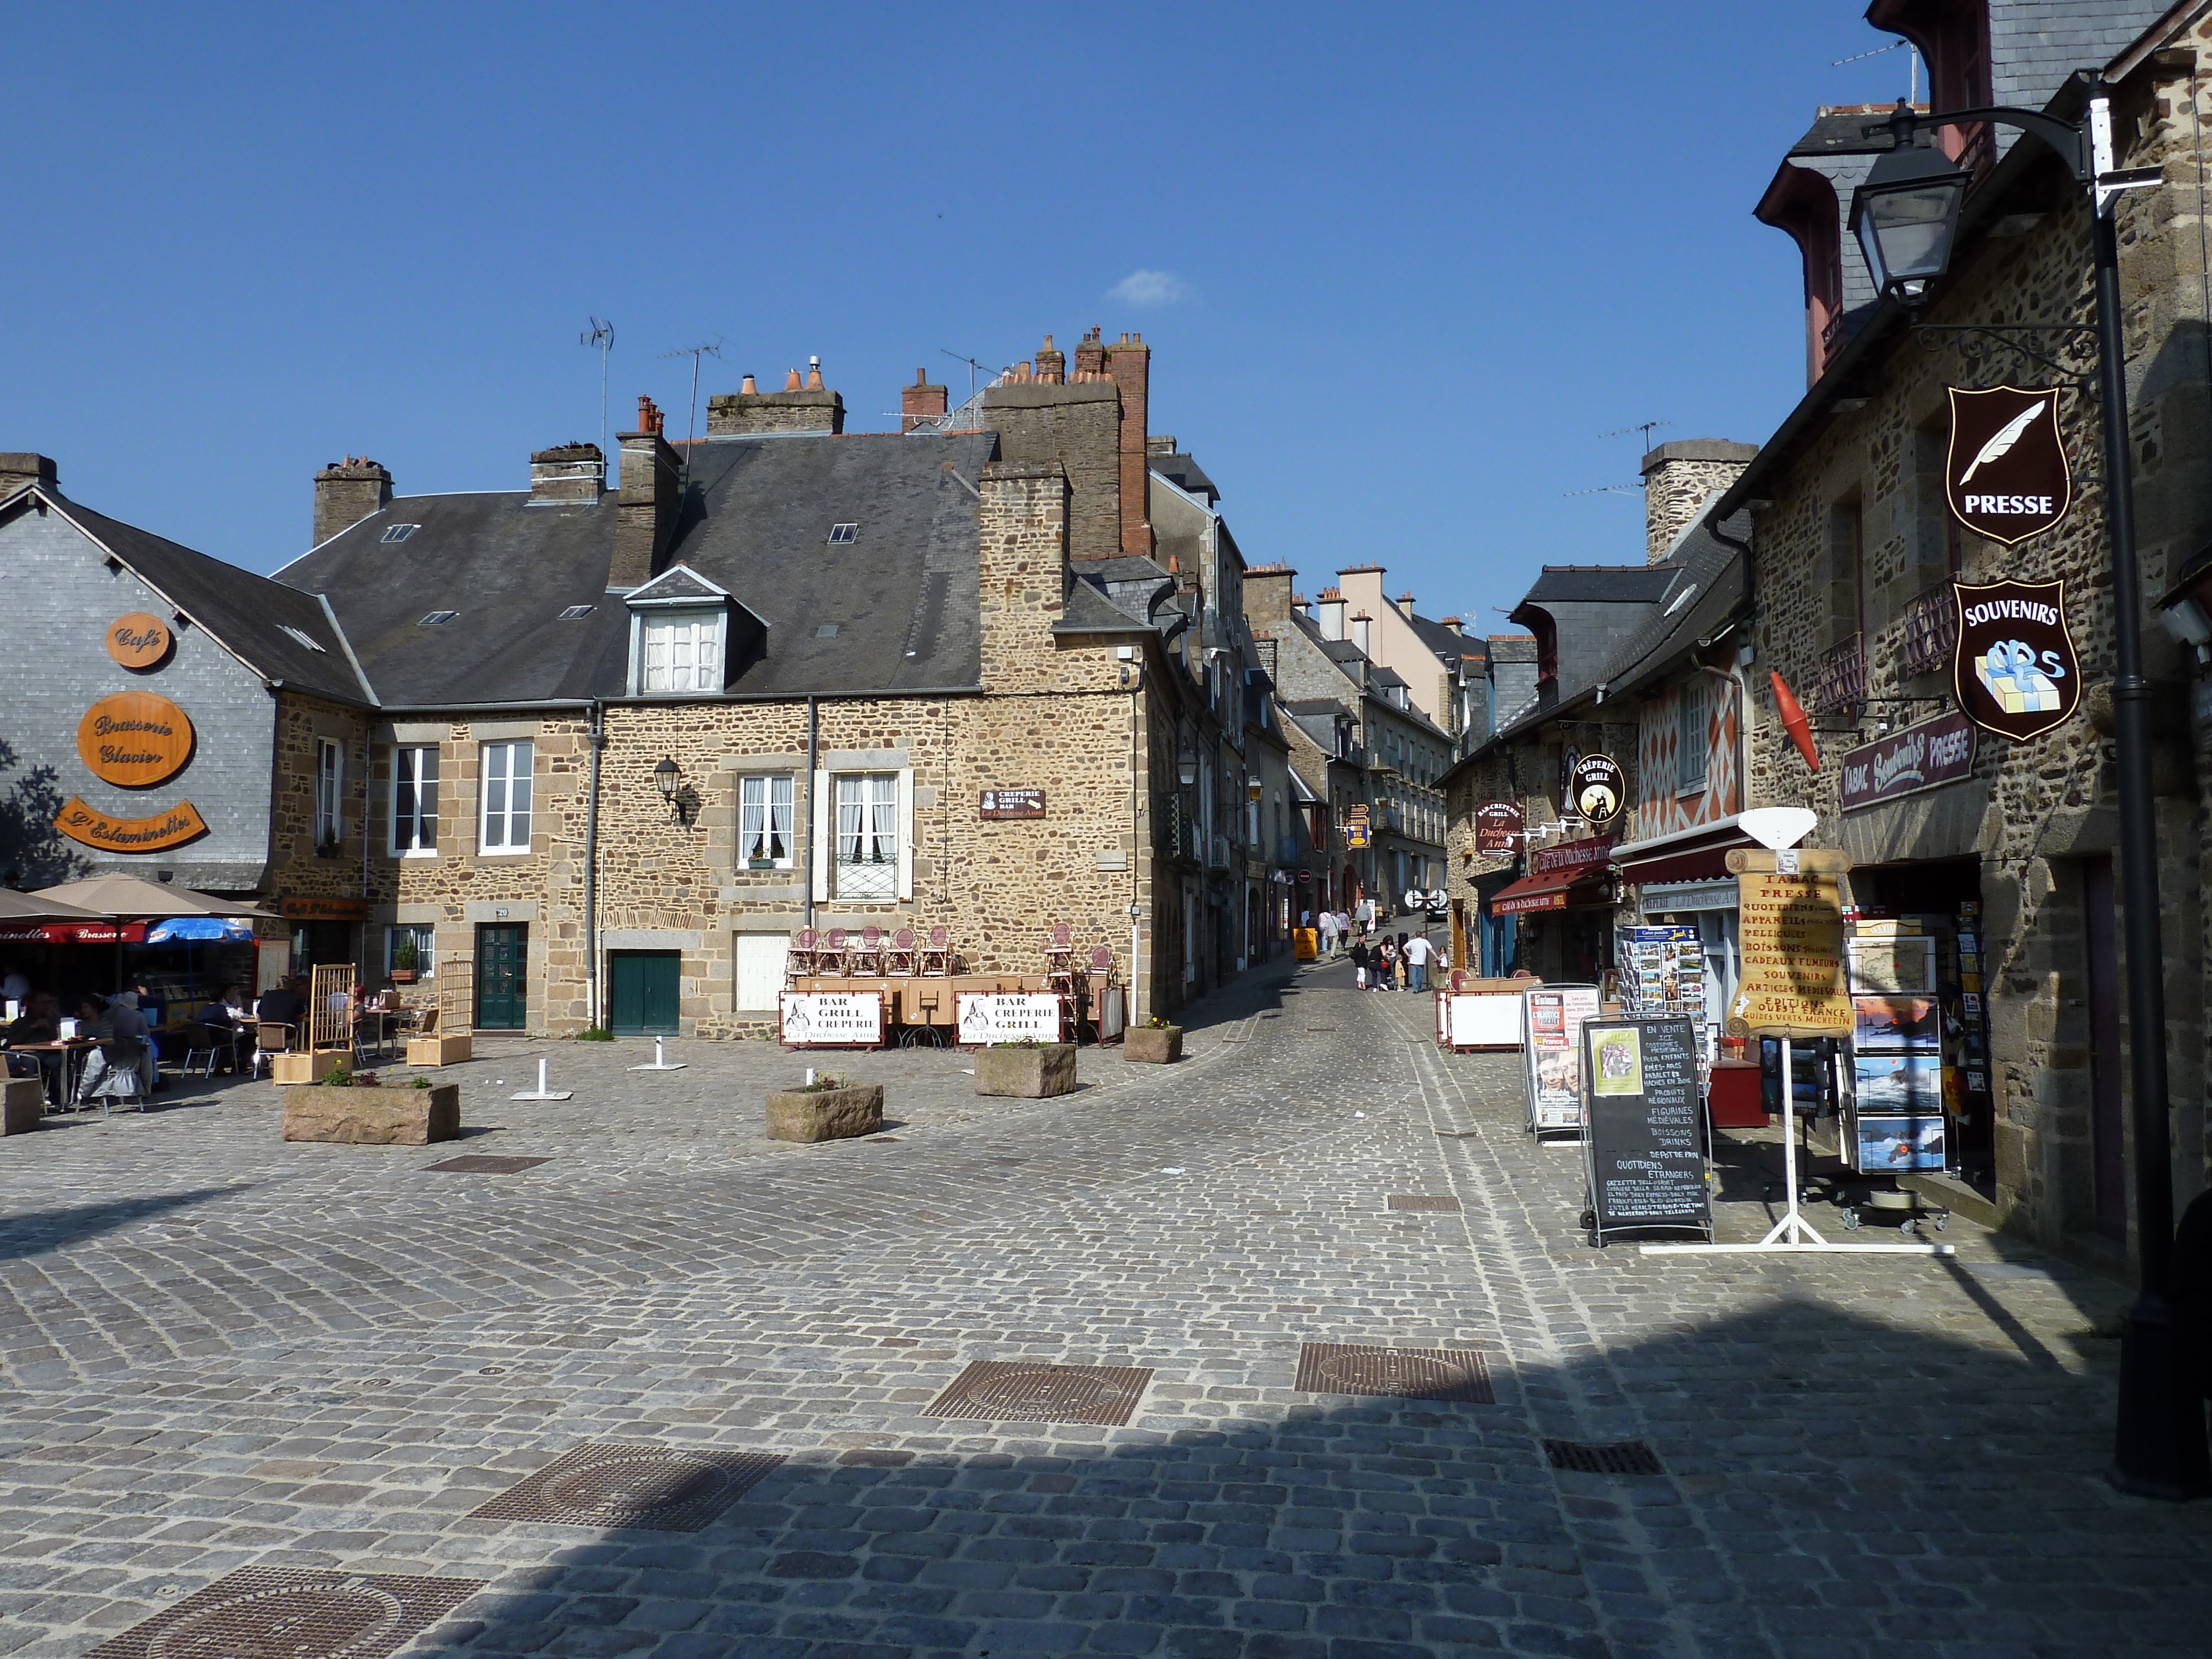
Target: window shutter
(822, 826)
(906, 832)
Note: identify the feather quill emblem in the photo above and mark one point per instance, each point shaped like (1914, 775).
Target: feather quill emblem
(2005, 437)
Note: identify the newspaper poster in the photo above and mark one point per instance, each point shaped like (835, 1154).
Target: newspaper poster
(1553, 1019)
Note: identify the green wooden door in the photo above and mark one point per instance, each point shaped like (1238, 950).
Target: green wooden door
(644, 987)
(503, 961)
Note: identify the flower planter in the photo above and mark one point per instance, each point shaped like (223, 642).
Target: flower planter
(405, 975)
(381, 1116)
(1152, 1045)
(1030, 1073)
(825, 1113)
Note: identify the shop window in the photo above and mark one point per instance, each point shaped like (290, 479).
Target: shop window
(764, 814)
(329, 795)
(1691, 746)
(410, 945)
(507, 797)
(867, 855)
(414, 802)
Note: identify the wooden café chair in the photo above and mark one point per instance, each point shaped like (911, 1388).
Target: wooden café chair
(799, 960)
(904, 952)
(269, 1038)
(937, 954)
(831, 958)
(868, 954)
(1059, 959)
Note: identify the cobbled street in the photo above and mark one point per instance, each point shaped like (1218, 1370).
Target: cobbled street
(225, 1352)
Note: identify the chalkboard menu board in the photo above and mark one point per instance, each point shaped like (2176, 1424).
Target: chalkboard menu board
(1646, 1142)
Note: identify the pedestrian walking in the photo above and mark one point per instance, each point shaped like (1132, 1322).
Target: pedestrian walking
(1359, 963)
(1343, 930)
(1386, 974)
(1327, 933)
(1418, 952)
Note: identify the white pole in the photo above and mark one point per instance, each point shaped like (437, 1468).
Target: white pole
(541, 1074)
(1793, 1228)
(659, 1060)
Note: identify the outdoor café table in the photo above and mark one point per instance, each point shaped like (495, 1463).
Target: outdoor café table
(72, 1051)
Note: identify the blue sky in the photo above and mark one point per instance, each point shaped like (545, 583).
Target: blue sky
(1399, 267)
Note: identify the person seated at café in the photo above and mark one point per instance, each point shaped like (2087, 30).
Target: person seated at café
(39, 1022)
(283, 1004)
(15, 985)
(96, 1019)
(221, 1020)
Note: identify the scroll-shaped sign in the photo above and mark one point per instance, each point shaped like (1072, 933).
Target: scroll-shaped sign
(2013, 669)
(1497, 826)
(162, 830)
(2005, 475)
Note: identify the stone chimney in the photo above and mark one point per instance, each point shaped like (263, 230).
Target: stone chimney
(645, 513)
(1363, 633)
(1453, 623)
(1677, 480)
(1267, 594)
(1129, 365)
(566, 473)
(1080, 427)
(348, 491)
(1303, 605)
(1405, 604)
(18, 468)
(1332, 613)
(1051, 363)
(1161, 443)
(920, 402)
(802, 407)
(1091, 357)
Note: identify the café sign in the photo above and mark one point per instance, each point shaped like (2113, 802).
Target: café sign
(2005, 475)
(1013, 803)
(1923, 757)
(139, 640)
(1497, 826)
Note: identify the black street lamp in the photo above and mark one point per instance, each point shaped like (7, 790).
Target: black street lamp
(1905, 216)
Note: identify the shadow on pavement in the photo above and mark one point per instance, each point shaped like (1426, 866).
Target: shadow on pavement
(39, 1231)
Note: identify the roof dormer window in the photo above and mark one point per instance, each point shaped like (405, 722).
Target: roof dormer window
(683, 651)
(680, 637)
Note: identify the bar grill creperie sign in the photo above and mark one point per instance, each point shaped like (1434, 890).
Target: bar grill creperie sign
(1574, 858)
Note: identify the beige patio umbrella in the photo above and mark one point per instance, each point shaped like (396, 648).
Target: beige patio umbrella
(30, 908)
(131, 898)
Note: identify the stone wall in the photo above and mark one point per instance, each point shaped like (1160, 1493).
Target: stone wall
(1678, 478)
(346, 492)
(1079, 427)
(731, 414)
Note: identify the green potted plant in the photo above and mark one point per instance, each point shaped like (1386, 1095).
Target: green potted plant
(1027, 1069)
(406, 961)
(1155, 1042)
(825, 1108)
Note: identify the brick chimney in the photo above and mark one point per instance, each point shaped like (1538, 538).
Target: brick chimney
(1161, 443)
(566, 473)
(1677, 480)
(1453, 623)
(646, 509)
(348, 491)
(1091, 357)
(1268, 594)
(1129, 364)
(1332, 613)
(18, 468)
(920, 402)
(802, 407)
(1051, 363)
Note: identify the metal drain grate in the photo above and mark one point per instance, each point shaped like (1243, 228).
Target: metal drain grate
(286, 1613)
(617, 1483)
(1394, 1373)
(1012, 1392)
(487, 1163)
(1422, 1201)
(1628, 1457)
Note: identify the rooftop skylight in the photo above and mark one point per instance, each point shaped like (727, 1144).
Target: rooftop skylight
(577, 612)
(304, 638)
(437, 619)
(399, 532)
(844, 532)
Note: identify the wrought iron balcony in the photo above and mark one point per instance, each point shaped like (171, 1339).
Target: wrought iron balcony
(1843, 685)
(1931, 631)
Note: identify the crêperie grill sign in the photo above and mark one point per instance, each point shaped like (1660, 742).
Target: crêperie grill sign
(134, 740)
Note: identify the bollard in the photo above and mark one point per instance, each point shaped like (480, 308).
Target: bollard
(542, 1092)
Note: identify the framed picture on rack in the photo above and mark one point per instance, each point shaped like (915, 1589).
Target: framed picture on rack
(1901, 965)
(1912, 1024)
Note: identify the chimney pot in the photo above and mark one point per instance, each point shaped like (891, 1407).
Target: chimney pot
(814, 374)
(791, 382)
(748, 387)
(347, 493)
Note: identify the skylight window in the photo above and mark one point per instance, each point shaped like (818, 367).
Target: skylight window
(304, 638)
(399, 532)
(843, 533)
(827, 631)
(437, 619)
(577, 612)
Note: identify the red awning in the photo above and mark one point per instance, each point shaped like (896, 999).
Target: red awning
(73, 932)
(1552, 890)
(1682, 857)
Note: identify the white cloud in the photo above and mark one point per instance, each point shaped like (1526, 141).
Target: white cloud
(1148, 288)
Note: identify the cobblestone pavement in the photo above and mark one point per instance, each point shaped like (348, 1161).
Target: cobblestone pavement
(218, 1352)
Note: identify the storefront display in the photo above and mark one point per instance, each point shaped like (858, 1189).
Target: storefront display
(1895, 1117)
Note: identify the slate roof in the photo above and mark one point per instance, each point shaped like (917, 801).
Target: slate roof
(1450, 648)
(246, 612)
(1708, 588)
(1186, 474)
(755, 520)
(1598, 584)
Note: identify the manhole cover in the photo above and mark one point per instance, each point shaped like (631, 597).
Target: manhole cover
(1009, 1391)
(1422, 1201)
(487, 1163)
(1628, 1457)
(1393, 1373)
(612, 1482)
(282, 1613)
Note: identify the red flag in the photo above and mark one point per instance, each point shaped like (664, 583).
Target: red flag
(1794, 722)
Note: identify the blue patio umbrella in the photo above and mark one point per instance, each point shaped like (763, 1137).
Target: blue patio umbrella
(203, 930)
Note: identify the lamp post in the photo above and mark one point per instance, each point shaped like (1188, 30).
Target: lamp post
(1906, 218)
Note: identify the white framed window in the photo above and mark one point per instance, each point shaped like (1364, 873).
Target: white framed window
(329, 793)
(415, 800)
(409, 939)
(1690, 740)
(764, 822)
(867, 853)
(506, 795)
(683, 651)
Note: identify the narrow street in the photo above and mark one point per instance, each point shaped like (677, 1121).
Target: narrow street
(225, 1352)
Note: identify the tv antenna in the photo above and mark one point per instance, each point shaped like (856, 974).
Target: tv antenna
(712, 349)
(602, 335)
(1645, 427)
(974, 369)
(1912, 74)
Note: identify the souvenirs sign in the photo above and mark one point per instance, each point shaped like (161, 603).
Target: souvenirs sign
(2014, 669)
(139, 640)
(180, 823)
(1497, 826)
(1922, 756)
(1598, 788)
(2005, 475)
(134, 739)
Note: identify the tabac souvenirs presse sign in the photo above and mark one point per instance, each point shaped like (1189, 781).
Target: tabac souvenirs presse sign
(1924, 756)
(2005, 474)
(2014, 669)
(134, 740)
(1792, 932)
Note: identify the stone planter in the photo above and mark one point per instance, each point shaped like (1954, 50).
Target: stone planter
(1029, 1073)
(825, 1113)
(25, 1103)
(1152, 1045)
(382, 1116)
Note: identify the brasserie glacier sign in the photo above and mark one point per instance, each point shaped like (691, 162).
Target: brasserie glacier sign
(1922, 756)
